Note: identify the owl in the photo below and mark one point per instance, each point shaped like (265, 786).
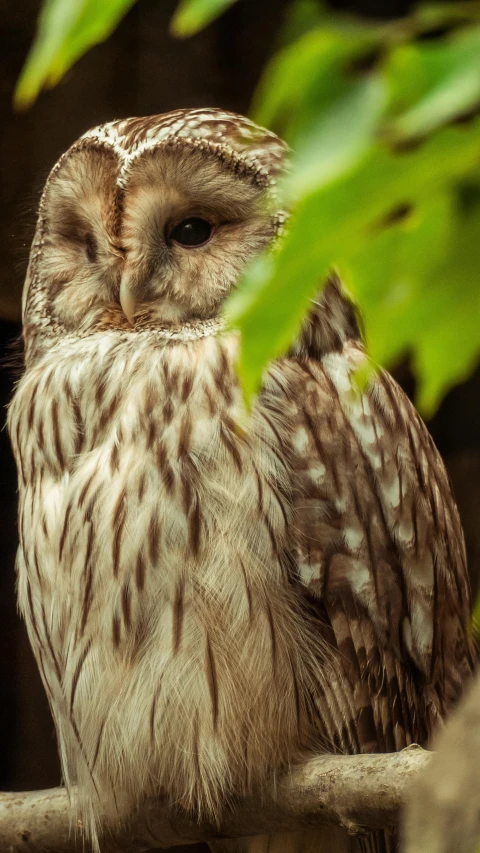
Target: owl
(212, 597)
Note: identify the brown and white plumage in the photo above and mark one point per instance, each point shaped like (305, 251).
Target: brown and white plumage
(209, 598)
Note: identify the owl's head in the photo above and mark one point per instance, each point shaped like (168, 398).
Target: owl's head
(150, 222)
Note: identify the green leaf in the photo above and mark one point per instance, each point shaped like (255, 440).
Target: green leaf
(306, 78)
(475, 629)
(392, 276)
(192, 15)
(299, 18)
(434, 82)
(449, 344)
(329, 228)
(431, 16)
(338, 138)
(66, 30)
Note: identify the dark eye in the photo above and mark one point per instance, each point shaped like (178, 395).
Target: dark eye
(192, 232)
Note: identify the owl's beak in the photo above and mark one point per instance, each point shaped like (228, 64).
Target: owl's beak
(127, 300)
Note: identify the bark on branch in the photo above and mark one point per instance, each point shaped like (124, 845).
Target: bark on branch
(360, 793)
(443, 807)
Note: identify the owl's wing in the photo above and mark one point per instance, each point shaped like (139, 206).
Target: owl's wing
(379, 552)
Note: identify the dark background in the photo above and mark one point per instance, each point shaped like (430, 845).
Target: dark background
(138, 71)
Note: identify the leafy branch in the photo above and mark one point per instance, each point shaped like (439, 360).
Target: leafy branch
(67, 29)
(380, 189)
(384, 184)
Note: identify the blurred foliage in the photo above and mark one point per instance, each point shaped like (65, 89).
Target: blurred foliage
(475, 629)
(66, 30)
(384, 188)
(384, 184)
(192, 15)
(69, 28)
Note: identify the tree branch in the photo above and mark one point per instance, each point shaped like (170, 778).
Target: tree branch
(359, 792)
(443, 807)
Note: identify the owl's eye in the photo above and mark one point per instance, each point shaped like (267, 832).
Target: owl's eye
(192, 232)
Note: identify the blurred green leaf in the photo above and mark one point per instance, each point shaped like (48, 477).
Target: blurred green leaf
(66, 30)
(418, 285)
(435, 81)
(319, 59)
(329, 228)
(338, 138)
(430, 16)
(392, 276)
(449, 344)
(300, 17)
(192, 15)
(475, 629)
(387, 220)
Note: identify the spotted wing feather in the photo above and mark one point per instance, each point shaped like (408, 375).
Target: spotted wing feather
(379, 549)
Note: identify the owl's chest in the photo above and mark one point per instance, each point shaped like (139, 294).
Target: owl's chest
(148, 480)
(153, 567)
